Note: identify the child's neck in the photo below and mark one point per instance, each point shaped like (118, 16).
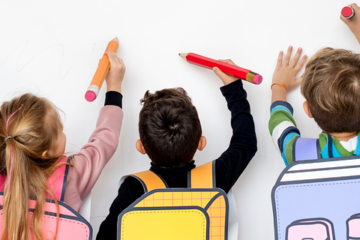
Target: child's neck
(344, 136)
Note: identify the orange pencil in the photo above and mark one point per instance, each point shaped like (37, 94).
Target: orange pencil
(101, 72)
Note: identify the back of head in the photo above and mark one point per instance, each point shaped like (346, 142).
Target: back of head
(169, 127)
(31, 126)
(331, 86)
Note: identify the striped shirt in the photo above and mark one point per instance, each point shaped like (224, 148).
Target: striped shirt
(284, 131)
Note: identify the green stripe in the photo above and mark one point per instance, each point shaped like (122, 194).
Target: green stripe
(289, 150)
(278, 117)
(343, 152)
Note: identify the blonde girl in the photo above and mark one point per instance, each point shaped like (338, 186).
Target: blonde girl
(32, 146)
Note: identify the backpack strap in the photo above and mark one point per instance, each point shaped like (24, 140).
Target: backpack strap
(306, 149)
(150, 180)
(202, 176)
(57, 181)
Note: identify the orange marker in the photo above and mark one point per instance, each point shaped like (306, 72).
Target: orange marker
(101, 72)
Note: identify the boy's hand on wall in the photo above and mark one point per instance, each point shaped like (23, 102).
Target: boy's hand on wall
(353, 23)
(225, 78)
(286, 71)
(116, 74)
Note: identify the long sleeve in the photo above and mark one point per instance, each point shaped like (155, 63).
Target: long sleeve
(129, 191)
(93, 156)
(243, 143)
(283, 129)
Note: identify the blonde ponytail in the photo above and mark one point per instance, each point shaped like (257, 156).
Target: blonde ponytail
(30, 126)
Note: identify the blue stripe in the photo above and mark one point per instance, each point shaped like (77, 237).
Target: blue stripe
(324, 152)
(284, 134)
(280, 107)
(284, 158)
(335, 151)
(287, 140)
(282, 103)
(357, 150)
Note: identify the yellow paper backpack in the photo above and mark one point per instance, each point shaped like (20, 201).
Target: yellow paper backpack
(199, 212)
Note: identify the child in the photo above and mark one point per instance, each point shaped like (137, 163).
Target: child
(32, 144)
(170, 133)
(330, 85)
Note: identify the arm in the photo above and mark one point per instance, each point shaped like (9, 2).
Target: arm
(282, 126)
(242, 148)
(93, 156)
(353, 23)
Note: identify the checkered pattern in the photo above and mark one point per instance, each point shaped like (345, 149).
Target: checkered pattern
(216, 211)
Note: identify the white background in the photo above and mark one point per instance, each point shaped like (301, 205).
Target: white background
(52, 48)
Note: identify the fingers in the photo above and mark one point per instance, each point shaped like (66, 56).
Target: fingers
(228, 61)
(354, 5)
(219, 73)
(296, 58)
(280, 58)
(112, 57)
(301, 63)
(287, 56)
(114, 60)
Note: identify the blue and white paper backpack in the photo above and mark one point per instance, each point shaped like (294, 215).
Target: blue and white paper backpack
(317, 199)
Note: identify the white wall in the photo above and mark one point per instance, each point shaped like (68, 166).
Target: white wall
(52, 49)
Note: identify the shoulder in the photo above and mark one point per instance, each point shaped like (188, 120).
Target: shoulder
(132, 188)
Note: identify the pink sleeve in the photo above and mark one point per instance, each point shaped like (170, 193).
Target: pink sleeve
(92, 158)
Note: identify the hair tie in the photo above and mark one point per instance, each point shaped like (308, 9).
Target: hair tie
(7, 138)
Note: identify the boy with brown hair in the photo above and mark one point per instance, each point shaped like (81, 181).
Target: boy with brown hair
(331, 87)
(170, 133)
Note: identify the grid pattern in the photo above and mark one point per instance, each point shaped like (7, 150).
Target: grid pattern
(175, 199)
(216, 211)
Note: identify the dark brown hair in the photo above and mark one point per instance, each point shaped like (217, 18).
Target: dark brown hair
(331, 85)
(169, 127)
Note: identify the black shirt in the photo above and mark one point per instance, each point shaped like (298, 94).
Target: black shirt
(228, 166)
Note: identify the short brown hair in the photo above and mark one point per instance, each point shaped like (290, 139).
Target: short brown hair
(331, 85)
(169, 127)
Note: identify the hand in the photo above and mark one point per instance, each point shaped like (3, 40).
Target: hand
(116, 73)
(225, 78)
(353, 23)
(285, 73)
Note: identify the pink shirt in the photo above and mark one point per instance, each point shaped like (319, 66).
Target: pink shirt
(93, 156)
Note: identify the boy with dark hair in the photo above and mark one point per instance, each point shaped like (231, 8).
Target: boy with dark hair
(330, 85)
(170, 133)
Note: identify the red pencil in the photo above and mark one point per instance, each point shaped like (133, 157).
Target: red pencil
(348, 12)
(235, 71)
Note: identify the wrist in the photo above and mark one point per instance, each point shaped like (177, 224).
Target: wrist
(278, 93)
(114, 88)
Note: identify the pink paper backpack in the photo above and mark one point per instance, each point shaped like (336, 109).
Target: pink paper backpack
(71, 224)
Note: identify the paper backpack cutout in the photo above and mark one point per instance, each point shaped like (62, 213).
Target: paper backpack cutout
(178, 213)
(72, 226)
(318, 189)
